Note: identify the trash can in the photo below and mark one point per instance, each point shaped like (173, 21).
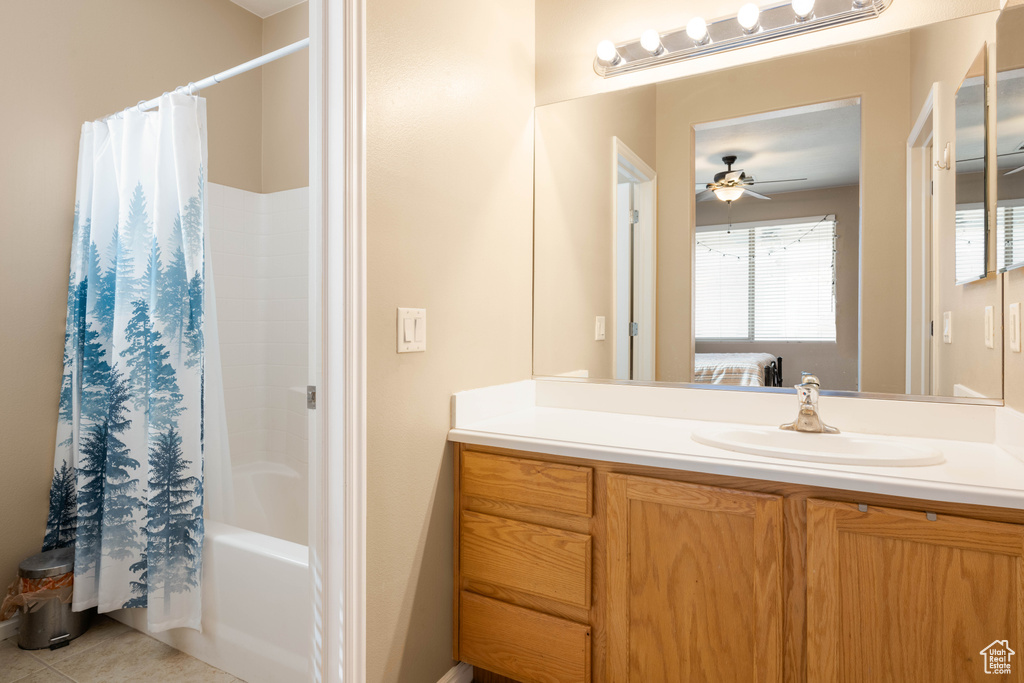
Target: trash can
(47, 582)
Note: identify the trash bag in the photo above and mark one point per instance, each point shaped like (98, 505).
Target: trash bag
(29, 595)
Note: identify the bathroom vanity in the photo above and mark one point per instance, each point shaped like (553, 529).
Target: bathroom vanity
(596, 545)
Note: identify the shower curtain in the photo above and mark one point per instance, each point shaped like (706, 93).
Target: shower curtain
(128, 486)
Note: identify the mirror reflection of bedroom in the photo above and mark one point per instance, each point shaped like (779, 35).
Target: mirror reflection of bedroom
(820, 213)
(776, 250)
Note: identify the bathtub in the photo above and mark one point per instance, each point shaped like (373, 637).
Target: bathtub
(256, 607)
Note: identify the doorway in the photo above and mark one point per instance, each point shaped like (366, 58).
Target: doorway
(635, 220)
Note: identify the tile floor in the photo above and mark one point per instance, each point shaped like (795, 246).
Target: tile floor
(109, 652)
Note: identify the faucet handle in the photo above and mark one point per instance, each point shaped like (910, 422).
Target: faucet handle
(809, 378)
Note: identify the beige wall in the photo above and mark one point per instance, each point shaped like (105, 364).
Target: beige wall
(943, 54)
(450, 90)
(569, 30)
(575, 232)
(835, 363)
(286, 103)
(878, 72)
(1010, 55)
(64, 63)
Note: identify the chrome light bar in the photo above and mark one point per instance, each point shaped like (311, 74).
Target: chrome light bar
(773, 22)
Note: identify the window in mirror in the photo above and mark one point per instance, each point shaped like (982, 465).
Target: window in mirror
(970, 241)
(773, 281)
(971, 229)
(1010, 143)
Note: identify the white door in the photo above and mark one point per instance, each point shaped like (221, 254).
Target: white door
(635, 220)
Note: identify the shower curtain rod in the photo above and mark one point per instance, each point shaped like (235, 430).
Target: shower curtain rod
(193, 88)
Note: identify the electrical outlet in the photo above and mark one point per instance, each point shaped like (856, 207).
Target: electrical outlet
(1014, 327)
(599, 328)
(947, 327)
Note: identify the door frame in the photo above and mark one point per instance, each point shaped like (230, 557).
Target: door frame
(920, 215)
(644, 297)
(337, 456)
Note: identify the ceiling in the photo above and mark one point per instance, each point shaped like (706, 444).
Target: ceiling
(264, 8)
(819, 142)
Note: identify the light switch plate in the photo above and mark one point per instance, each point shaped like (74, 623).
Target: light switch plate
(412, 330)
(947, 327)
(990, 327)
(599, 328)
(1014, 327)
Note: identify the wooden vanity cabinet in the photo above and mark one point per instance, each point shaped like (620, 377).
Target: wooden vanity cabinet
(523, 567)
(569, 571)
(694, 582)
(898, 595)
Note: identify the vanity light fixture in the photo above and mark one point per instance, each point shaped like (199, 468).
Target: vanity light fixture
(754, 24)
(697, 29)
(650, 40)
(607, 53)
(803, 9)
(749, 18)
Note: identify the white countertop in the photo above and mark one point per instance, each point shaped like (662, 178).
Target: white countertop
(975, 472)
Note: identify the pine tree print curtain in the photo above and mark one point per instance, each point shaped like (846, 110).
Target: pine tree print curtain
(127, 490)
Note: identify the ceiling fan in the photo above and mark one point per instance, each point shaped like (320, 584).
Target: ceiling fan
(730, 185)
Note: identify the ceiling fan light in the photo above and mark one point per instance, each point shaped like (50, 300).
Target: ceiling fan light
(749, 17)
(728, 194)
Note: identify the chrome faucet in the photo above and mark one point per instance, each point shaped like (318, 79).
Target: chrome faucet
(808, 420)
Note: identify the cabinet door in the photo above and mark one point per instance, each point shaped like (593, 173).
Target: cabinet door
(894, 595)
(694, 583)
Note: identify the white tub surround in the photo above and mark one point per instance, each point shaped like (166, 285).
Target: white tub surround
(652, 426)
(260, 244)
(255, 607)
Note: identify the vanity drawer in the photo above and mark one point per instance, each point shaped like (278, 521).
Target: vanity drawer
(551, 486)
(535, 559)
(522, 644)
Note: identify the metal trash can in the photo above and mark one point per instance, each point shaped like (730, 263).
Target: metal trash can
(46, 619)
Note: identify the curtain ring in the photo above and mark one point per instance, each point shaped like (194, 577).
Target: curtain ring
(138, 106)
(191, 88)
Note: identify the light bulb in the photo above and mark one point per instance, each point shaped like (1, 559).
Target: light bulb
(749, 17)
(607, 53)
(697, 29)
(650, 40)
(728, 194)
(803, 9)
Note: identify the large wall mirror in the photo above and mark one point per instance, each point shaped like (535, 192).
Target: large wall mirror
(824, 212)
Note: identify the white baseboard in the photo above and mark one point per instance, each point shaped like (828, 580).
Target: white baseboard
(460, 673)
(9, 628)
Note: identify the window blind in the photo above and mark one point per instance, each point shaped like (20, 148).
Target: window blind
(766, 282)
(1010, 231)
(970, 243)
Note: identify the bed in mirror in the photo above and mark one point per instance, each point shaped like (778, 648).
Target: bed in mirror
(822, 212)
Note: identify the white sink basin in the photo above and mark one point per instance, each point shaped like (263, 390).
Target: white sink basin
(838, 449)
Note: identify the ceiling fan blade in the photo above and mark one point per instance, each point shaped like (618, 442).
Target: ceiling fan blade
(790, 180)
(705, 195)
(1016, 170)
(755, 195)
